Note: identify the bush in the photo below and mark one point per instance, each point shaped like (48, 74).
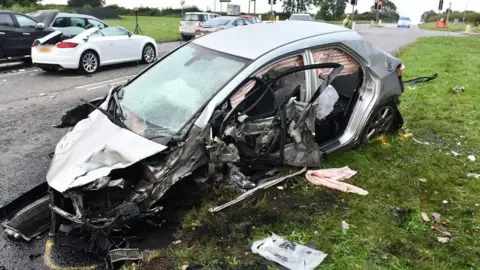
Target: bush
(470, 16)
(34, 7)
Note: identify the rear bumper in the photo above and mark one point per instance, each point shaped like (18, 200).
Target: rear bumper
(65, 59)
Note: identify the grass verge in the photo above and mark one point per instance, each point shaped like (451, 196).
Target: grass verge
(404, 179)
(458, 27)
(159, 28)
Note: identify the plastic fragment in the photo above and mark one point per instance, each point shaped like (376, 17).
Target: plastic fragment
(471, 158)
(425, 217)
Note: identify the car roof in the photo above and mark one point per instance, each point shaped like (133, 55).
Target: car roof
(238, 40)
(77, 15)
(199, 13)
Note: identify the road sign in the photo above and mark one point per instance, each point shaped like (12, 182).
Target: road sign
(182, 2)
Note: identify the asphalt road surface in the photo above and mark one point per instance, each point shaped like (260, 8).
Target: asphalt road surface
(32, 100)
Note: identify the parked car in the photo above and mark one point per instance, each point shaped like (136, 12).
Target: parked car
(17, 33)
(221, 109)
(251, 18)
(220, 23)
(91, 49)
(404, 22)
(192, 20)
(301, 17)
(58, 20)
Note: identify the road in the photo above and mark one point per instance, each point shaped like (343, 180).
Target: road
(31, 101)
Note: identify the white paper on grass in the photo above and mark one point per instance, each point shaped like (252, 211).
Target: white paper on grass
(289, 254)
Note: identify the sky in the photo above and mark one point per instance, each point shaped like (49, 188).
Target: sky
(410, 8)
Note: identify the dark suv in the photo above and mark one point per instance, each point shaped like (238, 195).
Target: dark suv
(17, 33)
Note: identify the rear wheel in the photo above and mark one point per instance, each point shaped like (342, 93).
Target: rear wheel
(381, 123)
(148, 54)
(89, 62)
(185, 37)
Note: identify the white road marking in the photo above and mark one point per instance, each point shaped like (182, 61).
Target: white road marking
(104, 82)
(17, 73)
(105, 85)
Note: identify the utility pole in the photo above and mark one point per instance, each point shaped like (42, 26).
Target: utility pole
(254, 7)
(271, 7)
(449, 9)
(214, 6)
(249, 6)
(465, 13)
(353, 11)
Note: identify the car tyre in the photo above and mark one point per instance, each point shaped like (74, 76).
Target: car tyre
(89, 62)
(382, 122)
(148, 54)
(49, 69)
(185, 37)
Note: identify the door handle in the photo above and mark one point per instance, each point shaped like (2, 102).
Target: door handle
(26, 34)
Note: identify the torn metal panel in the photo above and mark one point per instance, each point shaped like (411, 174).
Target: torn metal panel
(92, 149)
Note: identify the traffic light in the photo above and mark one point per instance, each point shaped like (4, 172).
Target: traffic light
(274, 2)
(440, 5)
(269, 2)
(353, 2)
(379, 4)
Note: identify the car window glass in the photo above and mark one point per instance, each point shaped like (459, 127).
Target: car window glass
(6, 20)
(273, 70)
(247, 22)
(60, 22)
(25, 22)
(78, 22)
(92, 22)
(114, 31)
(96, 34)
(177, 86)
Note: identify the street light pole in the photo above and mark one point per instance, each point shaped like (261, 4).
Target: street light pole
(353, 11)
(449, 9)
(465, 13)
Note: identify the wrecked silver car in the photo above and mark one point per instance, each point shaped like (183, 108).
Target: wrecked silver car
(215, 110)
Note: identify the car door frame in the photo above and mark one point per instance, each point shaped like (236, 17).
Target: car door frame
(25, 36)
(7, 37)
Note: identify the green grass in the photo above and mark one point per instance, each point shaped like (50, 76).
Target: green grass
(451, 27)
(386, 228)
(159, 28)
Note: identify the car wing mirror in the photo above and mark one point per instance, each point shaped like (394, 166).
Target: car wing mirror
(130, 34)
(40, 26)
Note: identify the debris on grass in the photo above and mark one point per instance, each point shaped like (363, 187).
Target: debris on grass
(345, 226)
(177, 242)
(423, 180)
(42, 94)
(474, 175)
(443, 240)
(332, 178)
(425, 217)
(420, 142)
(288, 254)
(436, 217)
(458, 89)
(471, 158)
(455, 154)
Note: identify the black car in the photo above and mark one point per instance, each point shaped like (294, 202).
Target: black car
(17, 33)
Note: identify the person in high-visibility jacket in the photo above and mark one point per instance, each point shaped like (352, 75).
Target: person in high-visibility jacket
(347, 22)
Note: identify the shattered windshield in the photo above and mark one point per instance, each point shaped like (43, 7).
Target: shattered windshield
(161, 101)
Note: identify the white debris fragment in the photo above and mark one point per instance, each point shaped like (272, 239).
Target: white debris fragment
(455, 154)
(52, 97)
(280, 187)
(423, 180)
(425, 217)
(4, 80)
(288, 254)
(477, 205)
(345, 225)
(471, 158)
(443, 240)
(458, 143)
(420, 142)
(42, 94)
(177, 242)
(21, 70)
(474, 175)
(445, 202)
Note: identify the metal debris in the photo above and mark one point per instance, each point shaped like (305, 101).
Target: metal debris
(288, 254)
(436, 217)
(425, 217)
(265, 185)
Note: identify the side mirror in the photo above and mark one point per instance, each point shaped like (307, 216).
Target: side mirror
(40, 26)
(130, 34)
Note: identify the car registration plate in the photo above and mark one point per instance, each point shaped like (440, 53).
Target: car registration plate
(44, 49)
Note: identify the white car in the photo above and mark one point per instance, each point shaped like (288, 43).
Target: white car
(89, 49)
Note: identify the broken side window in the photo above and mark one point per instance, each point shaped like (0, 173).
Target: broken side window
(271, 71)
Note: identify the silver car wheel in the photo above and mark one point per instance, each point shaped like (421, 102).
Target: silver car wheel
(381, 123)
(149, 54)
(90, 62)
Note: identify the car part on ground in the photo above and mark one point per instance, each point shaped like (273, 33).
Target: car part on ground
(421, 79)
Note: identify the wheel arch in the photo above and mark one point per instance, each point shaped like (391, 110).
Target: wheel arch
(93, 50)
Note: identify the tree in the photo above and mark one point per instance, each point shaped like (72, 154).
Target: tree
(298, 5)
(427, 15)
(331, 9)
(82, 3)
(388, 11)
